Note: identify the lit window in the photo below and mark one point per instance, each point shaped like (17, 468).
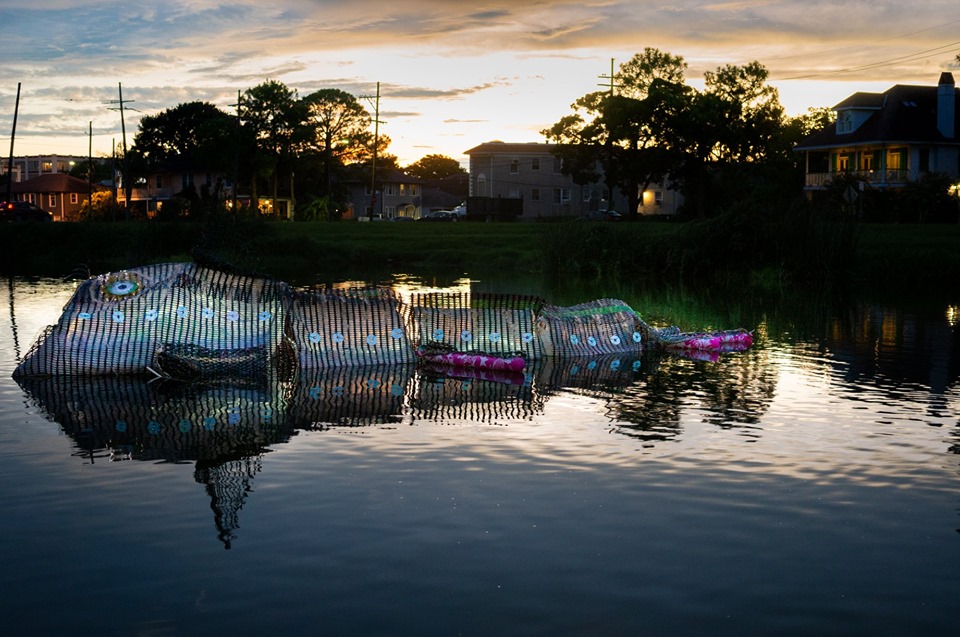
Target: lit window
(74, 198)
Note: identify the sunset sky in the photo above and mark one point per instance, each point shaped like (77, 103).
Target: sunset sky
(452, 74)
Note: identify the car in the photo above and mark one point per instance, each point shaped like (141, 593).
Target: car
(23, 211)
(439, 215)
(602, 215)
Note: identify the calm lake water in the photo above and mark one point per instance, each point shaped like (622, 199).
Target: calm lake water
(808, 486)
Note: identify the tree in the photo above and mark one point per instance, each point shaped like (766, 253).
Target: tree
(275, 119)
(435, 167)
(199, 132)
(627, 135)
(339, 125)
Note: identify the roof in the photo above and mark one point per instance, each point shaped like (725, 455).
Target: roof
(904, 114)
(498, 147)
(53, 183)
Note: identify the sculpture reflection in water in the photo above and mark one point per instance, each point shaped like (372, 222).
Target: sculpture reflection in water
(225, 429)
(181, 362)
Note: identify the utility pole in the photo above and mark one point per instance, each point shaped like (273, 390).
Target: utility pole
(90, 169)
(13, 133)
(127, 185)
(376, 144)
(612, 77)
(236, 157)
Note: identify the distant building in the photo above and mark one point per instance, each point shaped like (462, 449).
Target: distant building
(531, 172)
(29, 167)
(59, 194)
(174, 177)
(886, 140)
(398, 195)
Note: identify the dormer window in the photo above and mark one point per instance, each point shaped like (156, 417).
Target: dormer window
(844, 122)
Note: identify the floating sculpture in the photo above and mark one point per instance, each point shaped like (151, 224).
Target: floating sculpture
(185, 321)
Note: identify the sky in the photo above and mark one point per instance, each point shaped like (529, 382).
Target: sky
(451, 75)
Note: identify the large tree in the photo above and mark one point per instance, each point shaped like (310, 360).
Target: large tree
(197, 131)
(435, 167)
(339, 128)
(660, 128)
(275, 118)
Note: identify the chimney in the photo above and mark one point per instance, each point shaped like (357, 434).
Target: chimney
(946, 105)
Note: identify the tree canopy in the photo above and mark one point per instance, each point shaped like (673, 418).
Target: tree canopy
(435, 167)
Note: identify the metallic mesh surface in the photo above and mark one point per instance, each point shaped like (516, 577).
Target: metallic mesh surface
(491, 323)
(348, 327)
(197, 324)
(605, 326)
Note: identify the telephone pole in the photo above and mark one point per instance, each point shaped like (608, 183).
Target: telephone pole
(612, 77)
(13, 133)
(127, 185)
(376, 144)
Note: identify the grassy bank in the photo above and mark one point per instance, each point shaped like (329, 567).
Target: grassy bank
(918, 255)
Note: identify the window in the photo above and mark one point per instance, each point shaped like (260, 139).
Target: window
(159, 181)
(414, 190)
(658, 197)
(895, 160)
(389, 189)
(47, 166)
(514, 193)
(866, 161)
(51, 200)
(535, 163)
(564, 195)
(843, 163)
(535, 194)
(403, 189)
(74, 198)
(186, 180)
(63, 167)
(585, 198)
(514, 166)
(557, 165)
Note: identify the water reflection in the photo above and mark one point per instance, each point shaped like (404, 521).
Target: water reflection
(225, 430)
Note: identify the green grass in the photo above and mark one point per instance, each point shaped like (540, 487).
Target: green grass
(625, 254)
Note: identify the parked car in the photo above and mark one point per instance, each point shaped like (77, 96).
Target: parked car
(23, 211)
(602, 215)
(439, 215)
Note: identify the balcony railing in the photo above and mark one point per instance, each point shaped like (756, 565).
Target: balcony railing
(888, 178)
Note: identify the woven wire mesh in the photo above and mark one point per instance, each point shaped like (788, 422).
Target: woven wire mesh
(493, 323)
(335, 328)
(605, 326)
(117, 323)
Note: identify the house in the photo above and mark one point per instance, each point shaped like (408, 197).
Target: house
(174, 177)
(58, 193)
(532, 173)
(398, 195)
(28, 167)
(886, 140)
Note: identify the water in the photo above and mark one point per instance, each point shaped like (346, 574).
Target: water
(807, 486)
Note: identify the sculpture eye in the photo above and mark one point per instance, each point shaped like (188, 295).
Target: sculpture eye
(121, 286)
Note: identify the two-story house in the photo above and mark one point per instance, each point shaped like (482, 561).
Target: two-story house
(888, 139)
(397, 195)
(531, 172)
(58, 193)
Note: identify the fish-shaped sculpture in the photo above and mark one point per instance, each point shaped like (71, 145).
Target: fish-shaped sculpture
(189, 322)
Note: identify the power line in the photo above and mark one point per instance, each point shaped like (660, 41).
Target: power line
(860, 46)
(904, 58)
